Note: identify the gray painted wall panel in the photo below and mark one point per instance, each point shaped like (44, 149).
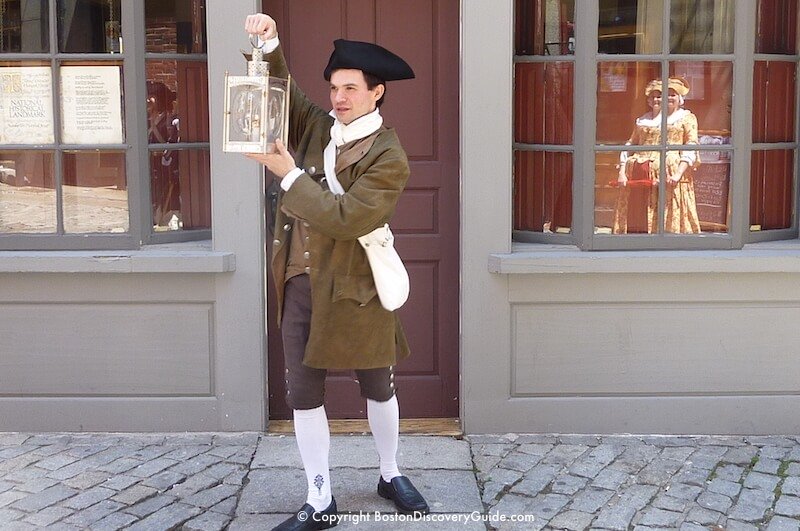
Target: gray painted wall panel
(106, 349)
(110, 414)
(654, 348)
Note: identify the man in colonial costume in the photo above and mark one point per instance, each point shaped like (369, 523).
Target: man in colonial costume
(328, 308)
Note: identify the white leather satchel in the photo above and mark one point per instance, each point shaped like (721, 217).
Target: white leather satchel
(388, 271)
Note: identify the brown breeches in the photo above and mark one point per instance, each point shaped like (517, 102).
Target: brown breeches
(305, 386)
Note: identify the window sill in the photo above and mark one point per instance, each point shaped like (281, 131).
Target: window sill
(189, 257)
(765, 257)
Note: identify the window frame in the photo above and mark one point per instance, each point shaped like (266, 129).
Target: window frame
(585, 146)
(136, 148)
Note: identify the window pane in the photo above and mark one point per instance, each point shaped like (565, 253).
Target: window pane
(175, 26)
(177, 101)
(543, 103)
(180, 189)
(776, 26)
(543, 191)
(91, 103)
(701, 26)
(631, 208)
(86, 26)
(26, 103)
(709, 97)
(712, 190)
(630, 26)
(774, 92)
(771, 189)
(24, 26)
(621, 99)
(27, 192)
(95, 192)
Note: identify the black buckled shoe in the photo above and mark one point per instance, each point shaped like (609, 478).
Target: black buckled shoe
(405, 496)
(307, 519)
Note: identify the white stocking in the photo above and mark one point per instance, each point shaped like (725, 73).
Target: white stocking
(384, 421)
(314, 442)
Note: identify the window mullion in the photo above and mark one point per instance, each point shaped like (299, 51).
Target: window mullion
(55, 87)
(585, 97)
(741, 119)
(133, 31)
(666, 49)
(796, 181)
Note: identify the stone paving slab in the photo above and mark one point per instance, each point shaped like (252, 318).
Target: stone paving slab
(276, 490)
(358, 451)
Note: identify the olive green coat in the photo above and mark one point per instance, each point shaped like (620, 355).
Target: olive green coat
(349, 327)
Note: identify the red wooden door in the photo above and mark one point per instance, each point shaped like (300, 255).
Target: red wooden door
(425, 113)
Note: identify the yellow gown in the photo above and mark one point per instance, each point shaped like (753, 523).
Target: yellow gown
(640, 200)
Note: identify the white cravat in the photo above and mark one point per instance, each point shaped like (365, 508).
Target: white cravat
(342, 134)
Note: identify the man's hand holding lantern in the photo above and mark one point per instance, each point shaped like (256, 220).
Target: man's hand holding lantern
(279, 163)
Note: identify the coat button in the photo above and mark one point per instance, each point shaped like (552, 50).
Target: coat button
(276, 242)
(287, 227)
(305, 223)
(308, 269)
(312, 170)
(306, 255)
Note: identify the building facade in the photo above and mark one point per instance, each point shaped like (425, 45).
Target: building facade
(549, 297)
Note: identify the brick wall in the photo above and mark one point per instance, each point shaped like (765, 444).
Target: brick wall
(162, 37)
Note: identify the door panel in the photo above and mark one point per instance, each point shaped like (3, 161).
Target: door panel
(425, 113)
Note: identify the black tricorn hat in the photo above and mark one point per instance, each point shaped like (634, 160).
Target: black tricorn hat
(367, 57)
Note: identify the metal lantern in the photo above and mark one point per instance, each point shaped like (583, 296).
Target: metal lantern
(256, 109)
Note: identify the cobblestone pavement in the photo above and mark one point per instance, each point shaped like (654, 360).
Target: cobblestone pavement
(247, 481)
(641, 482)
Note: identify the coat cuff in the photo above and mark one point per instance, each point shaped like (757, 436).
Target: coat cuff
(269, 45)
(289, 179)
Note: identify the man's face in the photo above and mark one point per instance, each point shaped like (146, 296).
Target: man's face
(350, 97)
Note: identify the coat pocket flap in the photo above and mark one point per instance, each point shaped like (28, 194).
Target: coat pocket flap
(360, 288)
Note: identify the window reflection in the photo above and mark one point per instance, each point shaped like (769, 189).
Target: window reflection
(773, 101)
(711, 95)
(701, 26)
(621, 97)
(776, 30)
(24, 26)
(543, 102)
(712, 190)
(180, 189)
(545, 27)
(771, 189)
(606, 195)
(640, 171)
(175, 26)
(27, 192)
(95, 192)
(543, 191)
(89, 26)
(630, 26)
(177, 101)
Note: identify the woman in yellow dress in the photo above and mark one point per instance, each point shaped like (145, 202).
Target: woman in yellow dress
(637, 203)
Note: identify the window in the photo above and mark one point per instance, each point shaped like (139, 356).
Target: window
(98, 147)
(773, 160)
(596, 162)
(543, 128)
